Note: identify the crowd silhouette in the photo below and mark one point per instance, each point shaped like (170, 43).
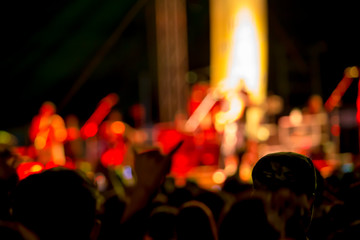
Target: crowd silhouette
(288, 199)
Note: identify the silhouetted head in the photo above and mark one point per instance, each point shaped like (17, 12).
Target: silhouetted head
(214, 201)
(161, 223)
(246, 219)
(288, 170)
(195, 221)
(285, 170)
(56, 204)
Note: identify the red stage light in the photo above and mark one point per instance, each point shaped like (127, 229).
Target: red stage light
(112, 157)
(180, 164)
(337, 94)
(91, 126)
(28, 168)
(112, 99)
(72, 133)
(168, 138)
(208, 159)
(319, 163)
(89, 130)
(104, 108)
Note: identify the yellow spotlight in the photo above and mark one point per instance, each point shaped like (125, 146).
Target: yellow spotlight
(231, 164)
(36, 168)
(296, 117)
(219, 177)
(245, 173)
(235, 109)
(219, 125)
(253, 119)
(263, 133)
(239, 46)
(229, 139)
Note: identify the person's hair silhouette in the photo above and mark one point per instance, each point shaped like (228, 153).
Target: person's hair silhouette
(56, 204)
(195, 221)
(285, 170)
(288, 170)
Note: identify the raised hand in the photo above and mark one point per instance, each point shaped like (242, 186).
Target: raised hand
(151, 167)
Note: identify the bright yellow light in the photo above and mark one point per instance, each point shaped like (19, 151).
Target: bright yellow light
(263, 133)
(295, 117)
(36, 168)
(231, 129)
(239, 46)
(219, 177)
(245, 173)
(220, 118)
(235, 109)
(253, 119)
(244, 58)
(231, 163)
(219, 126)
(229, 138)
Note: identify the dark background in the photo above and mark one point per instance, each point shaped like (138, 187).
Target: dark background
(47, 45)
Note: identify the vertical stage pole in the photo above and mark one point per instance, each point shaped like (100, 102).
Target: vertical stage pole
(172, 58)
